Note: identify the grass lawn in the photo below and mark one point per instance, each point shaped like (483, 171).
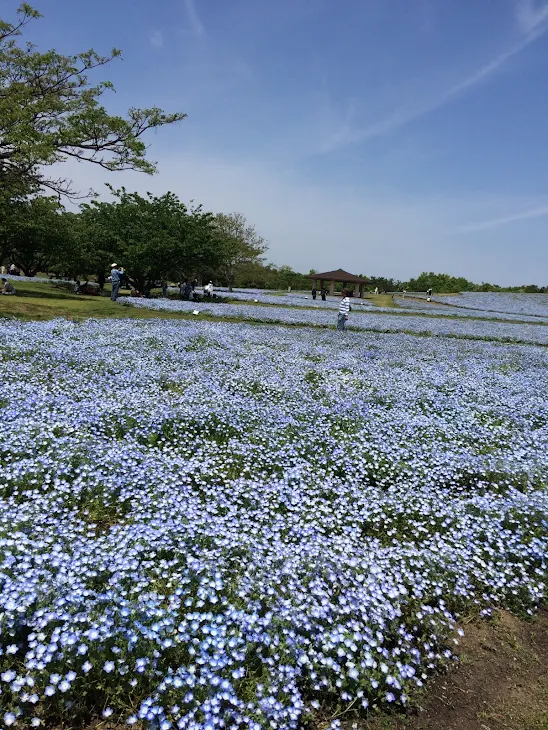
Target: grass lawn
(381, 300)
(41, 301)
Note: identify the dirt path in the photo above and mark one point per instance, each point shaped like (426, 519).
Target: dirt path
(501, 683)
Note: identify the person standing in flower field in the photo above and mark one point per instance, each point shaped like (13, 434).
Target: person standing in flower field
(344, 308)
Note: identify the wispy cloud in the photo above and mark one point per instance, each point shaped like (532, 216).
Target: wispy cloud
(540, 212)
(531, 15)
(532, 22)
(196, 26)
(156, 39)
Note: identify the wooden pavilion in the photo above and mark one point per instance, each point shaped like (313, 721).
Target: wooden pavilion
(341, 276)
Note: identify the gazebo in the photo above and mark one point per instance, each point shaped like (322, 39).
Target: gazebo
(339, 276)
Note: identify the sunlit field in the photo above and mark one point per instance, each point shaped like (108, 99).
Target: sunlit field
(224, 525)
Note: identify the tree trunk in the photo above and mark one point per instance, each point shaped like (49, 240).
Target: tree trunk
(28, 270)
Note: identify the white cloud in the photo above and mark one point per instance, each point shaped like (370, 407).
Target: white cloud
(503, 221)
(531, 15)
(328, 226)
(156, 39)
(196, 26)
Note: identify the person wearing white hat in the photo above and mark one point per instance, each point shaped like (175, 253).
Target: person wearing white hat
(115, 277)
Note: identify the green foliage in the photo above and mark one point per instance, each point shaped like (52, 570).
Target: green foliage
(35, 233)
(447, 284)
(382, 283)
(49, 112)
(439, 283)
(240, 244)
(156, 238)
(270, 276)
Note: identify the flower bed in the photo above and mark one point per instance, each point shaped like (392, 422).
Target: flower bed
(359, 320)
(216, 525)
(506, 302)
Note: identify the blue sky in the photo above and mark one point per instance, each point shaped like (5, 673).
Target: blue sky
(386, 137)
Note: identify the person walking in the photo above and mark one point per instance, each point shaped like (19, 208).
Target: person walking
(344, 308)
(314, 292)
(116, 275)
(323, 293)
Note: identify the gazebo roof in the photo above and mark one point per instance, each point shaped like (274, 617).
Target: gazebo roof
(338, 275)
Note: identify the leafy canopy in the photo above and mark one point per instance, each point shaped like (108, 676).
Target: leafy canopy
(35, 233)
(240, 243)
(155, 238)
(50, 112)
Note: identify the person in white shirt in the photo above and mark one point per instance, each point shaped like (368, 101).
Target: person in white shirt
(208, 290)
(344, 308)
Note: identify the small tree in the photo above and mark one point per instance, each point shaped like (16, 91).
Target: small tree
(240, 245)
(49, 112)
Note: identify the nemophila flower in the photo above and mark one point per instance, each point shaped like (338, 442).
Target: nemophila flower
(367, 319)
(108, 712)
(333, 511)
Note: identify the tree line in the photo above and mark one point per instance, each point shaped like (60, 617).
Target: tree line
(156, 238)
(447, 284)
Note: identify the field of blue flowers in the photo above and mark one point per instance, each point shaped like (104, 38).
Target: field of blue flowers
(215, 525)
(368, 320)
(508, 302)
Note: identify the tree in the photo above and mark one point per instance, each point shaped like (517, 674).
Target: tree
(36, 233)
(439, 283)
(49, 112)
(240, 245)
(383, 283)
(154, 238)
